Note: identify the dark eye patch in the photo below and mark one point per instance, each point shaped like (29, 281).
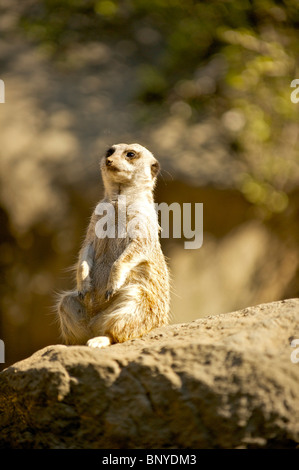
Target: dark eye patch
(110, 152)
(131, 154)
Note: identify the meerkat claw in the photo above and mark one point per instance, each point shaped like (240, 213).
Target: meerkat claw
(108, 294)
(81, 295)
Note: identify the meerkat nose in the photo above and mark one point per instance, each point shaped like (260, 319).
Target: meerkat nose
(108, 162)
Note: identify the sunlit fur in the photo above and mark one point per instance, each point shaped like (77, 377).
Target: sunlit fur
(122, 283)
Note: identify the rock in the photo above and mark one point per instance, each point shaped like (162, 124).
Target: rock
(224, 381)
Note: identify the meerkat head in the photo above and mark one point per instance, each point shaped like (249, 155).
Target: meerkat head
(129, 164)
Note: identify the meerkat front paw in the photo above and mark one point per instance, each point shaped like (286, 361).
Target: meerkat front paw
(99, 342)
(109, 293)
(83, 289)
(84, 286)
(81, 294)
(112, 288)
(115, 282)
(83, 280)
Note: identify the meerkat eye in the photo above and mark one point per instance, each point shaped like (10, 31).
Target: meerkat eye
(130, 154)
(110, 152)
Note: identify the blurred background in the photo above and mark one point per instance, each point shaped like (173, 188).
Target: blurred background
(205, 85)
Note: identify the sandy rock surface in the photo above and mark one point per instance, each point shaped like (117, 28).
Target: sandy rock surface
(224, 381)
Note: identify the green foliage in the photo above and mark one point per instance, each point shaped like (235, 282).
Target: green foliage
(231, 60)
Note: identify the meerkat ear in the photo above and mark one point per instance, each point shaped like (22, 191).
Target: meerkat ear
(155, 168)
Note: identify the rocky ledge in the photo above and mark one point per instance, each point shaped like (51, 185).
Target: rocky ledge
(225, 381)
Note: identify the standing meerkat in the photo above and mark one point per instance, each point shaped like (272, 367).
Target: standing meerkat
(122, 276)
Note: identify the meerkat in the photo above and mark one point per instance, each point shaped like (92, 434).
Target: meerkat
(122, 280)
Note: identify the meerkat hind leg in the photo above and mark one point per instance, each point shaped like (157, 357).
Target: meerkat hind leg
(99, 342)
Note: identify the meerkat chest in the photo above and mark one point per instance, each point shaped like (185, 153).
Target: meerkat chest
(109, 249)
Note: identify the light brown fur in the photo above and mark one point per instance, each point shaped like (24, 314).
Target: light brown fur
(122, 283)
